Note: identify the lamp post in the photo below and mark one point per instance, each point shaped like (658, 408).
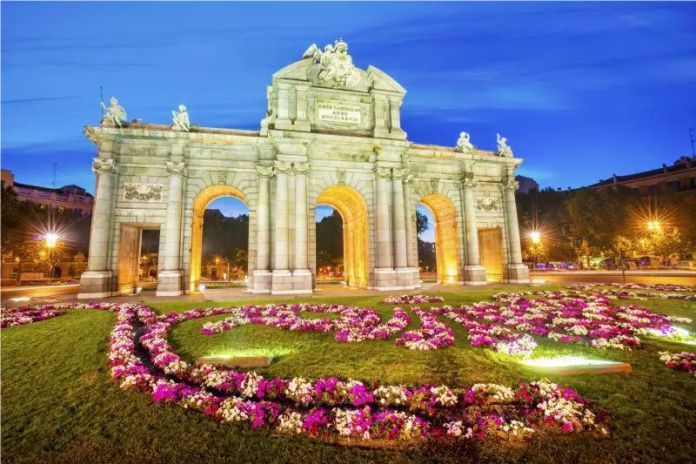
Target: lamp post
(51, 240)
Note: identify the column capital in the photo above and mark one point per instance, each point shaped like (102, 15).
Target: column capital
(101, 166)
(282, 166)
(300, 168)
(384, 173)
(468, 180)
(265, 171)
(510, 184)
(176, 168)
(400, 173)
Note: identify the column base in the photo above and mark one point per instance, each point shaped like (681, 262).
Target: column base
(303, 280)
(518, 274)
(170, 283)
(402, 278)
(475, 275)
(260, 281)
(281, 281)
(286, 282)
(95, 284)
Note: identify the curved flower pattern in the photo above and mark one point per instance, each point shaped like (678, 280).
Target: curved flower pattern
(431, 335)
(329, 408)
(412, 299)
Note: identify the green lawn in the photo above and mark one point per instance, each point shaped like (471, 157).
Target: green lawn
(60, 405)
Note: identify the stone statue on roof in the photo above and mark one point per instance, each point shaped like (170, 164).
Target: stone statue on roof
(464, 142)
(115, 115)
(504, 149)
(180, 119)
(337, 69)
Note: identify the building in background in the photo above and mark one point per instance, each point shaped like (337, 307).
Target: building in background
(527, 185)
(680, 176)
(65, 198)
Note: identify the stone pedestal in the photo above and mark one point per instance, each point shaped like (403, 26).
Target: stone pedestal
(261, 281)
(281, 281)
(518, 274)
(95, 284)
(170, 283)
(474, 275)
(302, 281)
(404, 278)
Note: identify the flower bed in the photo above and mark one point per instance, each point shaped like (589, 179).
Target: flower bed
(9, 318)
(640, 291)
(330, 408)
(354, 325)
(683, 361)
(412, 299)
(509, 322)
(431, 335)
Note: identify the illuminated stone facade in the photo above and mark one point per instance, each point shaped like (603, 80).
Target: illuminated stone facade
(332, 135)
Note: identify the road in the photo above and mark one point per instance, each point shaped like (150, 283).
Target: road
(43, 294)
(34, 294)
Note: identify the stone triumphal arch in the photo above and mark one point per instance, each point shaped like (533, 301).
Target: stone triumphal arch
(331, 136)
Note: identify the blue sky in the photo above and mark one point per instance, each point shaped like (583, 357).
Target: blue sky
(580, 90)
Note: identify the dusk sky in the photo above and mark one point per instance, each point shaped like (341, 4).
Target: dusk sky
(581, 91)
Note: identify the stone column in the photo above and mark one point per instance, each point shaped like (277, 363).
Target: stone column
(169, 281)
(281, 281)
(283, 119)
(383, 223)
(261, 277)
(474, 273)
(95, 282)
(301, 120)
(411, 236)
(400, 249)
(517, 272)
(302, 276)
(395, 118)
(406, 277)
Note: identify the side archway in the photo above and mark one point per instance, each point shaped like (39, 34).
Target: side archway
(446, 237)
(353, 210)
(199, 206)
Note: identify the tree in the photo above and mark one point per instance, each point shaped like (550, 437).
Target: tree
(330, 241)
(421, 223)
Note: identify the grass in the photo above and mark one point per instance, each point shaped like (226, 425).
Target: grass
(60, 405)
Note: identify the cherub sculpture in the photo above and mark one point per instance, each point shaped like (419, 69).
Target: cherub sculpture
(464, 142)
(504, 149)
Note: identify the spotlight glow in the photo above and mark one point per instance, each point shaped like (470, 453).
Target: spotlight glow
(201, 287)
(566, 361)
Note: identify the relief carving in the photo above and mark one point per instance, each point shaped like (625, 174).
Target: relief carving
(143, 192)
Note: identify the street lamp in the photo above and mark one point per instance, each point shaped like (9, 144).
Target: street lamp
(51, 239)
(535, 237)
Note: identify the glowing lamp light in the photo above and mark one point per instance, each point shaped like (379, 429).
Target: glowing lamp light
(51, 239)
(565, 361)
(535, 237)
(19, 299)
(201, 287)
(654, 226)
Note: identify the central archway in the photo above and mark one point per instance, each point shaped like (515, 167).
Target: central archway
(353, 210)
(446, 237)
(199, 206)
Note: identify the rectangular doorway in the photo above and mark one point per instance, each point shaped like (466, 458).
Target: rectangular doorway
(491, 253)
(138, 257)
